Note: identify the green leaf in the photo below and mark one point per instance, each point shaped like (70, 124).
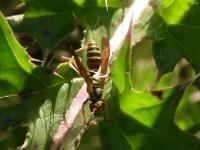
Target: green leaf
(120, 71)
(30, 95)
(15, 66)
(49, 22)
(187, 115)
(172, 43)
(51, 114)
(174, 11)
(166, 50)
(142, 63)
(143, 119)
(190, 48)
(41, 111)
(16, 70)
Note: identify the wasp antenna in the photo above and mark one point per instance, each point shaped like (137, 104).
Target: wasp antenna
(81, 133)
(52, 59)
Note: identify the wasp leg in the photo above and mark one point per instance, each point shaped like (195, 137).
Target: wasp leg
(94, 79)
(71, 62)
(83, 112)
(80, 49)
(87, 124)
(107, 80)
(64, 59)
(100, 81)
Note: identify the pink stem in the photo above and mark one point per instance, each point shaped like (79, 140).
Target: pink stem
(70, 116)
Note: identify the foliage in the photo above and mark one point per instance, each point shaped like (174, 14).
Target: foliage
(144, 110)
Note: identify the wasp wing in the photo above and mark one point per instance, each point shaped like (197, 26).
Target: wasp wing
(83, 72)
(104, 58)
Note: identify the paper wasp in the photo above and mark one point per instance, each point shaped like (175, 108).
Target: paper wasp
(95, 60)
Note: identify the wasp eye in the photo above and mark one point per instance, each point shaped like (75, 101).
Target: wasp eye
(98, 92)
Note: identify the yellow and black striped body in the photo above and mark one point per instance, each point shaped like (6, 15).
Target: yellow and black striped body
(93, 57)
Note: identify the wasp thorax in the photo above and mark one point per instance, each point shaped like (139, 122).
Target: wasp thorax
(97, 107)
(97, 92)
(92, 42)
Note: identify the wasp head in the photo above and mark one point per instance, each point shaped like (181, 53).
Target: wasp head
(97, 107)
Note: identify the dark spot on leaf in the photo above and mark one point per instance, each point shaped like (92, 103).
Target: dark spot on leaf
(46, 32)
(8, 120)
(158, 93)
(4, 125)
(35, 147)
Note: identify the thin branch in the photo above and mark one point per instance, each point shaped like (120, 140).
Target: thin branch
(116, 41)
(70, 116)
(130, 19)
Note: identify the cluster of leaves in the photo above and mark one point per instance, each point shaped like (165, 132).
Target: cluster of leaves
(33, 99)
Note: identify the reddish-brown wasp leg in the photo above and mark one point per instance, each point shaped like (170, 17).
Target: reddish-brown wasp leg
(83, 112)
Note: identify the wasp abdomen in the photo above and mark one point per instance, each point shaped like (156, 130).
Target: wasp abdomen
(93, 56)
